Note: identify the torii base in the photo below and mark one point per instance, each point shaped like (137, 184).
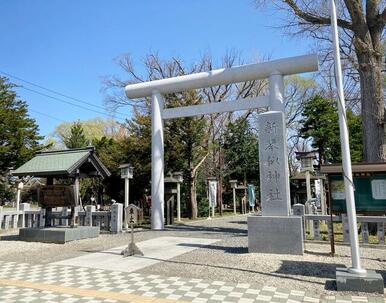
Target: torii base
(372, 282)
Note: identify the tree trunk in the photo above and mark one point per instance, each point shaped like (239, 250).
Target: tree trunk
(220, 181)
(193, 198)
(244, 199)
(367, 25)
(219, 195)
(188, 197)
(191, 180)
(373, 107)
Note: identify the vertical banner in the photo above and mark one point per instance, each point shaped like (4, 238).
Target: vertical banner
(212, 193)
(251, 195)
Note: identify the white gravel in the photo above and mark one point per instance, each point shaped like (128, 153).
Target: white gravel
(226, 260)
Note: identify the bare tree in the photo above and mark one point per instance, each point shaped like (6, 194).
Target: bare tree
(298, 90)
(362, 24)
(156, 68)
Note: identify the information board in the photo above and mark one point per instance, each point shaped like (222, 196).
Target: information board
(57, 196)
(369, 191)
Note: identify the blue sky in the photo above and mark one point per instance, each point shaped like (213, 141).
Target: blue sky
(70, 45)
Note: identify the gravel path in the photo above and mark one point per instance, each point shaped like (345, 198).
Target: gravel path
(226, 260)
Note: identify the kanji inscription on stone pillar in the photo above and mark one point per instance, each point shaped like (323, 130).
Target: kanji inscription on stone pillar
(273, 157)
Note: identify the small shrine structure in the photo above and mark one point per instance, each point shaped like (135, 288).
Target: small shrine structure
(68, 166)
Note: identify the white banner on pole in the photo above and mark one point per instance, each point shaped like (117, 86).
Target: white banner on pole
(212, 193)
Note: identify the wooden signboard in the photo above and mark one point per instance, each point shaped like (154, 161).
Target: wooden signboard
(131, 214)
(57, 196)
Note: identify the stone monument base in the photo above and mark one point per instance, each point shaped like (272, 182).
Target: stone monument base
(59, 234)
(371, 282)
(275, 235)
(131, 250)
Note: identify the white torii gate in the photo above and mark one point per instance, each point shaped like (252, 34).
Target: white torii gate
(273, 70)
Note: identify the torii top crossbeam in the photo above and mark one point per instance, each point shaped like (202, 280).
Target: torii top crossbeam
(236, 74)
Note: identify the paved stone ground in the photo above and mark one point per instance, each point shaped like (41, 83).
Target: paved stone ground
(21, 294)
(22, 282)
(154, 251)
(226, 263)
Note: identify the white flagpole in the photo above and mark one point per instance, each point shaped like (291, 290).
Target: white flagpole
(346, 158)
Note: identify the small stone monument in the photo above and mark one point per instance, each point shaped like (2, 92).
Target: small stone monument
(116, 218)
(131, 215)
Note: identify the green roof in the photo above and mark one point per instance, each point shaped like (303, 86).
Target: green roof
(64, 162)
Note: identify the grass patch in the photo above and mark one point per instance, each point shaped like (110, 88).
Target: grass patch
(338, 233)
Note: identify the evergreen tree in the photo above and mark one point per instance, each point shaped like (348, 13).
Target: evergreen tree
(108, 151)
(135, 148)
(186, 148)
(19, 138)
(76, 138)
(320, 122)
(240, 145)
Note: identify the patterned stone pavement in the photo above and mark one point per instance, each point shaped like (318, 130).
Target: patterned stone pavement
(22, 282)
(21, 294)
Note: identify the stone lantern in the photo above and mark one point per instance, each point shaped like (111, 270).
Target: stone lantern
(306, 161)
(127, 172)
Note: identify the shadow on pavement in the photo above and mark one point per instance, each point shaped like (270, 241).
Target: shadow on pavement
(308, 269)
(330, 285)
(317, 253)
(383, 274)
(238, 222)
(9, 238)
(233, 270)
(199, 228)
(226, 249)
(91, 251)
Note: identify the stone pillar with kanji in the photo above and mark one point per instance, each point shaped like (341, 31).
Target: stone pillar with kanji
(273, 156)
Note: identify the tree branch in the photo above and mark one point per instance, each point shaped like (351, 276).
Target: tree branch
(355, 10)
(382, 17)
(199, 164)
(315, 19)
